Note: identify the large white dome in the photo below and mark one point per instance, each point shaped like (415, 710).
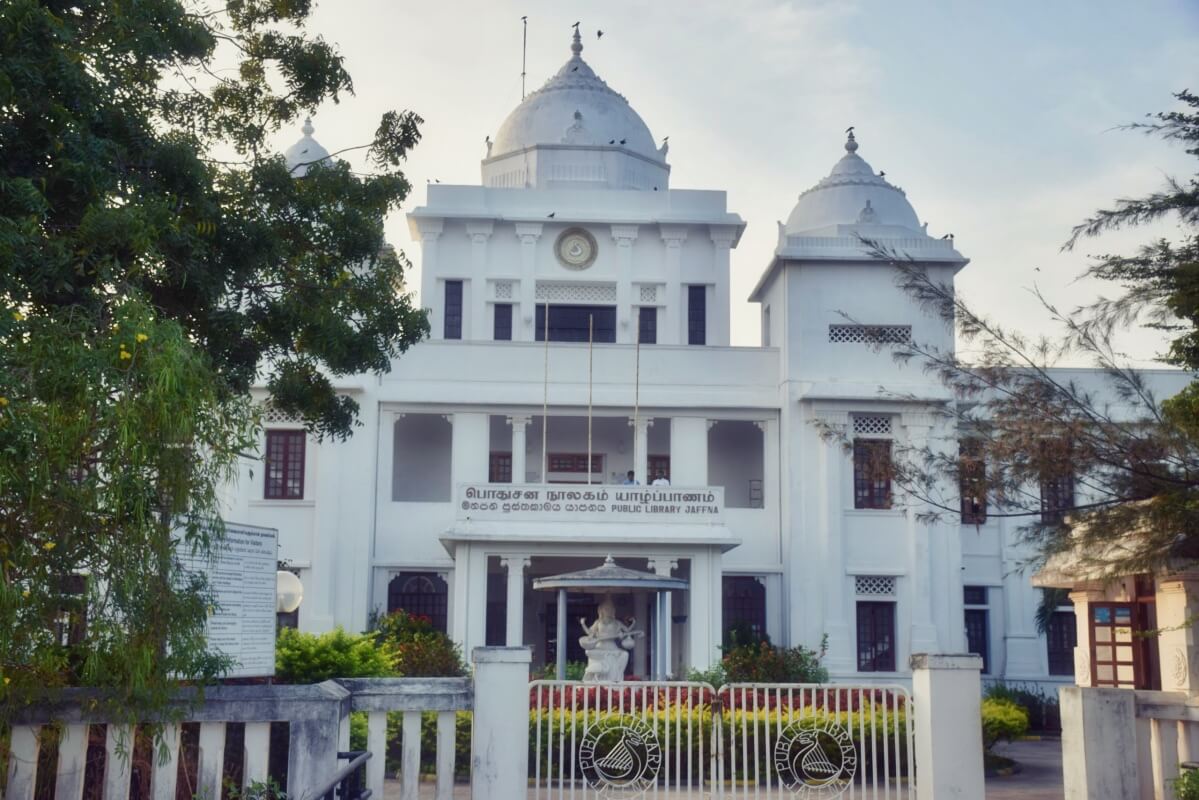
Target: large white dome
(575, 107)
(304, 152)
(852, 194)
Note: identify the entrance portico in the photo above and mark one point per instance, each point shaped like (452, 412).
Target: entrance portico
(501, 544)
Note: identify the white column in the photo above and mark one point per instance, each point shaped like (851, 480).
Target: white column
(1099, 744)
(1082, 600)
(430, 232)
(519, 446)
(641, 611)
(624, 236)
(924, 631)
(476, 322)
(689, 451)
(665, 566)
(499, 760)
(718, 315)
(704, 623)
(825, 592)
(1178, 643)
(459, 614)
(770, 466)
(641, 428)
(469, 447)
(522, 328)
(675, 312)
(515, 630)
(947, 696)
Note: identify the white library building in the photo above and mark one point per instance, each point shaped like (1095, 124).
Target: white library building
(579, 398)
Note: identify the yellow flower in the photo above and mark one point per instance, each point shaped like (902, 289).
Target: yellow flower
(49, 546)
(18, 316)
(125, 354)
(116, 327)
(141, 337)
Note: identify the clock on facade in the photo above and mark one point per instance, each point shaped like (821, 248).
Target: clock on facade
(575, 248)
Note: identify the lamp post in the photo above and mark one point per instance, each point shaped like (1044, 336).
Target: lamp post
(289, 592)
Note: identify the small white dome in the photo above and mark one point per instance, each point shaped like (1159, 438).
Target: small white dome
(575, 107)
(304, 152)
(852, 194)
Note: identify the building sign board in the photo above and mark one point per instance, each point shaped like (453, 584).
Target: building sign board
(597, 503)
(241, 576)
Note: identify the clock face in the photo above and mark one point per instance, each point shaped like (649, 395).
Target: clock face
(576, 248)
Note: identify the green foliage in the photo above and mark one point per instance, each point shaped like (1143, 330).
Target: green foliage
(1002, 721)
(257, 790)
(156, 257)
(1044, 711)
(765, 663)
(419, 651)
(713, 675)
(574, 671)
(312, 657)
(1186, 786)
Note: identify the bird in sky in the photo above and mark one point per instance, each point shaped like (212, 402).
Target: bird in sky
(551, 214)
(599, 34)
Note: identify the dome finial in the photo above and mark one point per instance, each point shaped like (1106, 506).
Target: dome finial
(308, 129)
(576, 45)
(851, 144)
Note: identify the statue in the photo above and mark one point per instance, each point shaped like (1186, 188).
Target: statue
(607, 642)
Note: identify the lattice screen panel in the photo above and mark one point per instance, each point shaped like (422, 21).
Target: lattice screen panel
(503, 290)
(871, 425)
(870, 334)
(649, 294)
(875, 585)
(575, 292)
(272, 415)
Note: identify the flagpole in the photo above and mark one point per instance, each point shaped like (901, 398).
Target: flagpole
(590, 348)
(637, 396)
(545, 394)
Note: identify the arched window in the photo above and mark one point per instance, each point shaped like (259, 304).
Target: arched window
(420, 593)
(744, 610)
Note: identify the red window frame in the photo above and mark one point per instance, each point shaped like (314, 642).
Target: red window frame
(575, 462)
(284, 464)
(972, 487)
(872, 473)
(499, 470)
(876, 636)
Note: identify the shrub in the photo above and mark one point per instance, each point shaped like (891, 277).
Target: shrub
(1044, 712)
(765, 663)
(1186, 786)
(419, 650)
(1002, 721)
(312, 658)
(574, 671)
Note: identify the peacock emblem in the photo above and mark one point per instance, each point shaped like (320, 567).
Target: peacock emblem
(620, 759)
(816, 762)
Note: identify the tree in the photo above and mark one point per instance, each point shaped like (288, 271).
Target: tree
(158, 257)
(1081, 466)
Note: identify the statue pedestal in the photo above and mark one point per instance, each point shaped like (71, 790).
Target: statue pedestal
(606, 665)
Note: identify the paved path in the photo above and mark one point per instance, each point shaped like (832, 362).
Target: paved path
(1040, 777)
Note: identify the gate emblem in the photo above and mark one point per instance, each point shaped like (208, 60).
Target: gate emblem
(817, 761)
(620, 757)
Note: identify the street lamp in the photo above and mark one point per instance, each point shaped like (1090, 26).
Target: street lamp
(289, 592)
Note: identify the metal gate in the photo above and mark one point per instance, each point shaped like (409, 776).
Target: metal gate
(685, 739)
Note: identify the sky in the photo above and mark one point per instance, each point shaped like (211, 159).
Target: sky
(997, 119)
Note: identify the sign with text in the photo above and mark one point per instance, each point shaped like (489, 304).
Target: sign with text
(596, 503)
(241, 575)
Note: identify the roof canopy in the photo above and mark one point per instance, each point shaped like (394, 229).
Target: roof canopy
(607, 578)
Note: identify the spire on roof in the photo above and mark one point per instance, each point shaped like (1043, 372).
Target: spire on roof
(308, 130)
(576, 45)
(851, 144)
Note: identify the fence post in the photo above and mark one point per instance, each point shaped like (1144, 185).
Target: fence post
(947, 695)
(1099, 743)
(499, 742)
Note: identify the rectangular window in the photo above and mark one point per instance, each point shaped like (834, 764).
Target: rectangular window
(571, 323)
(655, 466)
(876, 636)
(974, 595)
(872, 473)
(647, 325)
(285, 465)
(499, 469)
(453, 310)
(977, 635)
(744, 610)
(972, 487)
(503, 322)
(697, 314)
(574, 462)
(1057, 497)
(1061, 636)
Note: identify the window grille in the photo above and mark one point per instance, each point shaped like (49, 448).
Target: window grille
(273, 416)
(502, 328)
(503, 290)
(744, 610)
(649, 294)
(577, 323)
(871, 425)
(647, 325)
(575, 292)
(872, 473)
(499, 469)
(453, 310)
(974, 595)
(870, 334)
(875, 585)
(421, 594)
(697, 314)
(1061, 636)
(876, 637)
(575, 462)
